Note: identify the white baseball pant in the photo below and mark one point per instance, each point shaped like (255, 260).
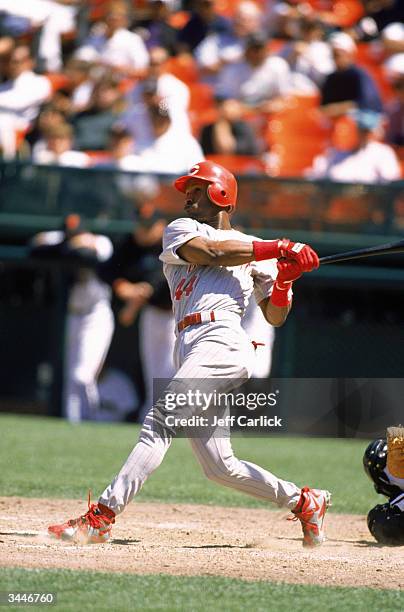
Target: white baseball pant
(88, 340)
(217, 351)
(157, 338)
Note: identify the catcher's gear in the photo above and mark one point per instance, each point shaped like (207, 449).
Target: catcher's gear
(374, 462)
(395, 451)
(386, 523)
(222, 188)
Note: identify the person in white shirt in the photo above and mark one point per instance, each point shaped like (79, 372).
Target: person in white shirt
(90, 322)
(57, 149)
(54, 17)
(112, 44)
(224, 47)
(20, 99)
(172, 151)
(367, 161)
(81, 85)
(159, 86)
(260, 78)
(311, 55)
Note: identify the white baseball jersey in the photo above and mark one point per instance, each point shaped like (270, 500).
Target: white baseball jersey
(218, 351)
(196, 288)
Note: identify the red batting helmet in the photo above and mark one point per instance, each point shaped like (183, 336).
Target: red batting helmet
(222, 188)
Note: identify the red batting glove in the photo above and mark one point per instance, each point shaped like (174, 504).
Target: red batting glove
(305, 256)
(288, 271)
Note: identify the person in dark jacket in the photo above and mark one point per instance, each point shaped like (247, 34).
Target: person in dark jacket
(230, 134)
(349, 86)
(136, 275)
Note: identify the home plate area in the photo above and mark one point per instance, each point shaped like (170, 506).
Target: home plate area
(195, 540)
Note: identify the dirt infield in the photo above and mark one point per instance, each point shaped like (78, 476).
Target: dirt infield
(201, 541)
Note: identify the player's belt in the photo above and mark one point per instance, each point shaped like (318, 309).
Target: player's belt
(195, 318)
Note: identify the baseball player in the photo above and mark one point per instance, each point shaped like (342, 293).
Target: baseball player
(90, 321)
(212, 271)
(385, 521)
(136, 275)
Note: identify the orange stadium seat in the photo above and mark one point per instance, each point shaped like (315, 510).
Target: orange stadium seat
(184, 67)
(369, 57)
(295, 136)
(202, 108)
(57, 80)
(343, 13)
(239, 164)
(348, 210)
(97, 9)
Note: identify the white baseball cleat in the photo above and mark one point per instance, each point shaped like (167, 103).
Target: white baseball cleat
(310, 511)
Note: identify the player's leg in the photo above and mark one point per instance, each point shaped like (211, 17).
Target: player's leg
(215, 454)
(257, 329)
(156, 339)
(88, 337)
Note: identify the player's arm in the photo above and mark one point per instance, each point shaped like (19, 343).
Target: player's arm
(277, 307)
(204, 252)
(275, 315)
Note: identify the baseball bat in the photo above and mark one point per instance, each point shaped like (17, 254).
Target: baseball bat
(383, 249)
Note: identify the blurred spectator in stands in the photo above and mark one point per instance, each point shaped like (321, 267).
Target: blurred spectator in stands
(7, 45)
(160, 87)
(20, 99)
(394, 68)
(204, 20)
(138, 280)
(365, 161)
(392, 38)
(81, 85)
(58, 149)
(48, 118)
(384, 11)
(156, 30)
(106, 106)
(311, 55)
(230, 134)
(90, 321)
(173, 150)
(283, 19)
(120, 145)
(75, 95)
(53, 17)
(111, 44)
(349, 86)
(228, 46)
(260, 80)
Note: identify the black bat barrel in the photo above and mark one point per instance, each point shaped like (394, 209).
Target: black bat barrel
(383, 249)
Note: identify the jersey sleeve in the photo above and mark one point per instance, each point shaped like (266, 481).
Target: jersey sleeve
(176, 234)
(264, 274)
(104, 248)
